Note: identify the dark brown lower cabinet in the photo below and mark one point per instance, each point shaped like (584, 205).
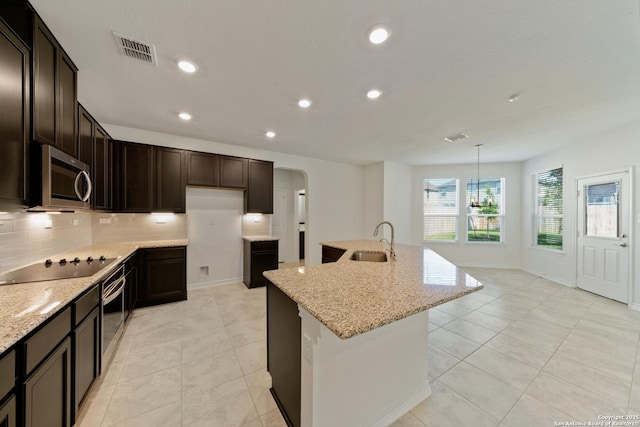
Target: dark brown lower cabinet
(165, 276)
(283, 353)
(47, 392)
(258, 258)
(331, 254)
(8, 413)
(87, 355)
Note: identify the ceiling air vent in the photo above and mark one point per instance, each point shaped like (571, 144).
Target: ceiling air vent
(136, 49)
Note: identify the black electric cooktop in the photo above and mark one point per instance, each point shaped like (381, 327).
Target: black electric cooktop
(50, 270)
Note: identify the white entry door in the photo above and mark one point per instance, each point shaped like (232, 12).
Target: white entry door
(603, 230)
(279, 221)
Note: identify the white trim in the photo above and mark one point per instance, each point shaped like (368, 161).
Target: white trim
(214, 283)
(551, 278)
(635, 306)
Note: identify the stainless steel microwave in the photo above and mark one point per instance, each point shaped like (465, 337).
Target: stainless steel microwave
(64, 182)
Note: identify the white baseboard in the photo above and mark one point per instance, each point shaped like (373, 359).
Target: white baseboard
(635, 306)
(213, 283)
(551, 277)
(408, 403)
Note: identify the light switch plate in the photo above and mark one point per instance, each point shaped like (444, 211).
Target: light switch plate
(105, 220)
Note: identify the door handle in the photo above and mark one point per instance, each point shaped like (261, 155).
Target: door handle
(622, 244)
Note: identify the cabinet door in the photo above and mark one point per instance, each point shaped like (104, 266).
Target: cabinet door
(135, 177)
(45, 95)
(100, 169)
(14, 117)
(8, 413)
(260, 262)
(67, 107)
(170, 180)
(259, 197)
(47, 397)
(164, 278)
(233, 172)
(203, 169)
(87, 355)
(86, 127)
(55, 93)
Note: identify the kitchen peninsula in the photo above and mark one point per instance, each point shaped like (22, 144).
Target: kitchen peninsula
(347, 341)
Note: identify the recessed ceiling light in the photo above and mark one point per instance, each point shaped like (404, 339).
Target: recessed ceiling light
(304, 103)
(374, 94)
(379, 34)
(187, 66)
(270, 134)
(456, 137)
(185, 116)
(514, 97)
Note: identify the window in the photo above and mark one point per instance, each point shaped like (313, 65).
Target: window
(440, 206)
(485, 223)
(548, 214)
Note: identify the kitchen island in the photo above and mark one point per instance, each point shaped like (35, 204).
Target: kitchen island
(347, 341)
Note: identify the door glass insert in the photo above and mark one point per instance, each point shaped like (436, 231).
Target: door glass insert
(602, 209)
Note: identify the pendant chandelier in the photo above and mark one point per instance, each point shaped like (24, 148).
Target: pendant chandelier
(476, 203)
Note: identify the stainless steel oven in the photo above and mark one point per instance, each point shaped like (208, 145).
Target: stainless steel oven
(113, 313)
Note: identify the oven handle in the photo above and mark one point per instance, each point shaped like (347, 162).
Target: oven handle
(113, 290)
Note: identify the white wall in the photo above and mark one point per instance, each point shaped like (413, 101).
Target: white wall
(373, 194)
(613, 150)
(397, 200)
(475, 254)
(289, 182)
(334, 190)
(215, 236)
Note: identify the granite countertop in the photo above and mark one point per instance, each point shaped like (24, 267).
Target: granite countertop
(24, 306)
(260, 238)
(353, 297)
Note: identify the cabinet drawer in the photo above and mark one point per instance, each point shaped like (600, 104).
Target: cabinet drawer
(264, 246)
(163, 253)
(86, 303)
(46, 339)
(7, 373)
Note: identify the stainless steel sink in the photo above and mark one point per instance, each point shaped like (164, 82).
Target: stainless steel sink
(371, 256)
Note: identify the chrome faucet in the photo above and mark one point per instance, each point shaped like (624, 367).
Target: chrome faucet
(392, 248)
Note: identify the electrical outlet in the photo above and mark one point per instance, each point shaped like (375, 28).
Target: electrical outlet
(105, 220)
(212, 222)
(75, 222)
(48, 224)
(639, 218)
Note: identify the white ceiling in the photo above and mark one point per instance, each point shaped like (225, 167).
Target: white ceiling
(449, 67)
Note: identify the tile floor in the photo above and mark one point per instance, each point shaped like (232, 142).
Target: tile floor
(524, 351)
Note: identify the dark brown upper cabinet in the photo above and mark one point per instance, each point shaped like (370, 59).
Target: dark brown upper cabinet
(233, 172)
(14, 117)
(259, 197)
(86, 136)
(203, 169)
(55, 92)
(149, 178)
(133, 177)
(93, 149)
(102, 161)
(171, 179)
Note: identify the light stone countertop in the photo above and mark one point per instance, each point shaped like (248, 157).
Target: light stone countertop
(353, 297)
(260, 238)
(22, 304)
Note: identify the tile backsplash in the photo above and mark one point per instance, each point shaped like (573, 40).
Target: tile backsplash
(29, 237)
(109, 227)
